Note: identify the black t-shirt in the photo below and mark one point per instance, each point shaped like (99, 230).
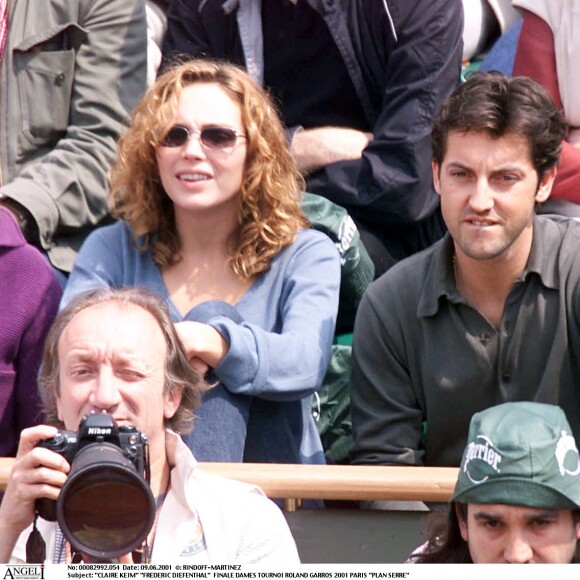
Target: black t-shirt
(304, 71)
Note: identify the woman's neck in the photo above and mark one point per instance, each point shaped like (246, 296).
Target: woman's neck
(205, 235)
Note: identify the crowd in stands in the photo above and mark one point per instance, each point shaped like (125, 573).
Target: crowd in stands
(281, 180)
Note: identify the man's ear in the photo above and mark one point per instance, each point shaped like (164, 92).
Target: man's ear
(59, 409)
(577, 525)
(171, 402)
(545, 185)
(462, 523)
(436, 168)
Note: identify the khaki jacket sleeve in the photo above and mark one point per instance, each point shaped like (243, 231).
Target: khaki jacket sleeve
(102, 61)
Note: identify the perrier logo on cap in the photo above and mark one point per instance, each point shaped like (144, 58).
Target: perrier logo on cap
(481, 449)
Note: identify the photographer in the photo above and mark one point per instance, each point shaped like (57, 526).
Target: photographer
(116, 351)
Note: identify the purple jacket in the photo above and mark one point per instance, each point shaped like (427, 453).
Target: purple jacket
(29, 297)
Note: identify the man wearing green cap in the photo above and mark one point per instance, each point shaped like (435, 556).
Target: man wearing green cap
(517, 498)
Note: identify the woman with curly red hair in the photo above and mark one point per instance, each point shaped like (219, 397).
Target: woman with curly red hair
(208, 198)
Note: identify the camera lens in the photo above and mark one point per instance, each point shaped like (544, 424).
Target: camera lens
(105, 509)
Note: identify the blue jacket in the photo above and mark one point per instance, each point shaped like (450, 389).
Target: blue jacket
(278, 353)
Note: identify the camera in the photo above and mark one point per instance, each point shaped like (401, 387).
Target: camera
(106, 508)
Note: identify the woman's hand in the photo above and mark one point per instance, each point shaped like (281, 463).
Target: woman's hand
(204, 345)
(37, 473)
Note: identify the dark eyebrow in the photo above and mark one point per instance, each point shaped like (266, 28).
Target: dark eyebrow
(543, 515)
(458, 165)
(485, 516)
(507, 169)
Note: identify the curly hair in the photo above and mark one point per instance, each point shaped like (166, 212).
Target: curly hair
(269, 212)
(180, 377)
(499, 105)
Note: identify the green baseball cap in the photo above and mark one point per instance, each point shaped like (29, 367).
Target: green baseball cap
(520, 454)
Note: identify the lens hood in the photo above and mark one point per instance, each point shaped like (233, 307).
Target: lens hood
(106, 508)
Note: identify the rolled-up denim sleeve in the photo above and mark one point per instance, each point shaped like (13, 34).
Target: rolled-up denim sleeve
(289, 364)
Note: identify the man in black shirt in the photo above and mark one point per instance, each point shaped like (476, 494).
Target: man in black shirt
(490, 313)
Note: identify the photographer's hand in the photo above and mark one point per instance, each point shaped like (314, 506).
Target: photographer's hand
(37, 472)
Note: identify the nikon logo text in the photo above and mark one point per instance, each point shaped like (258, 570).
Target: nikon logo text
(99, 431)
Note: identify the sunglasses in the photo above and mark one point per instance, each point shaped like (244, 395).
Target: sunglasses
(210, 137)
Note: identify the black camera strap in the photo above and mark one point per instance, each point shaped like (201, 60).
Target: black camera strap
(35, 546)
(143, 556)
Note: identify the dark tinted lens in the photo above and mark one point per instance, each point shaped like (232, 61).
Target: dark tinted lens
(105, 508)
(176, 137)
(106, 512)
(218, 137)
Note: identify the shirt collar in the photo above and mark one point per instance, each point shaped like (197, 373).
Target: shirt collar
(543, 259)
(440, 279)
(181, 463)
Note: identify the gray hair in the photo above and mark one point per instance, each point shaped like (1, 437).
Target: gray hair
(180, 377)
